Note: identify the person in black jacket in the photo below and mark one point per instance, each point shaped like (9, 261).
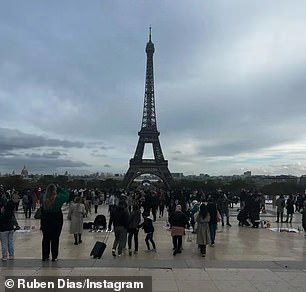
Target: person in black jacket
(178, 221)
(134, 221)
(120, 218)
(290, 209)
(255, 212)
(213, 222)
(148, 228)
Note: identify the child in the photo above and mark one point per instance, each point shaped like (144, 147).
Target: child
(148, 228)
(8, 224)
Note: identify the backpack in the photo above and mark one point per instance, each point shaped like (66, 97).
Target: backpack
(25, 200)
(100, 221)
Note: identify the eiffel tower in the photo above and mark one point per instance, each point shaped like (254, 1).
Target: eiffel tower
(149, 134)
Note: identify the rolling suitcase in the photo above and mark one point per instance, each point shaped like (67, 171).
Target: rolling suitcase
(99, 248)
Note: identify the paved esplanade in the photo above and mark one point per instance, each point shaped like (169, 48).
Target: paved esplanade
(243, 259)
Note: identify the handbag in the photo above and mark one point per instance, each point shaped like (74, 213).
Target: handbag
(177, 231)
(38, 213)
(219, 217)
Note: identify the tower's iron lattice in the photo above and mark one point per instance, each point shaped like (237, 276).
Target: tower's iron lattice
(149, 134)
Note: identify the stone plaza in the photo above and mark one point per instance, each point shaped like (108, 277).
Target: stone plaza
(243, 258)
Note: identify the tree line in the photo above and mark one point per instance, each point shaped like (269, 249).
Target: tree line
(19, 183)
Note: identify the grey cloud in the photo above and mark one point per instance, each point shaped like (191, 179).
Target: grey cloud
(50, 155)
(85, 79)
(15, 139)
(100, 145)
(107, 147)
(96, 154)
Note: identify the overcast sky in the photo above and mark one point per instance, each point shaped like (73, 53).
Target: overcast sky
(230, 85)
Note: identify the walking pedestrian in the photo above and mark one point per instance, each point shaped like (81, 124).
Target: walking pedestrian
(214, 218)
(178, 221)
(203, 234)
(148, 228)
(133, 229)
(119, 218)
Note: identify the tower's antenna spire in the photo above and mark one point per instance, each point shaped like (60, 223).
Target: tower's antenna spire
(150, 33)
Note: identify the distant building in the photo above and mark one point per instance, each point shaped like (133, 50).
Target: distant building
(24, 172)
(247, 173)
(177, 175)
(303, 180)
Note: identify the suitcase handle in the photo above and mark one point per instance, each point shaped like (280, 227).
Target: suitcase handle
(106, 236)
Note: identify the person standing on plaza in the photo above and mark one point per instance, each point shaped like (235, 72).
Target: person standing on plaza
(161, 205)
(96, 202)
(178, 221)
(280, 205)
(290, 209)
(203, 234)
(147, 203)
(254, 211)
(111, 203)
(16, 199)
(213, 222)
(7, 224)
(27, 203)
(120, 219)
(133, 230)
(299, 202)
(52, 220)
(195, 207)
(304, 216)
(222, 205)
(34, 200)
(75, 215)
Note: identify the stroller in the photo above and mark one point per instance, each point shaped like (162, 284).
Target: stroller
(242, 217)
(99, 223)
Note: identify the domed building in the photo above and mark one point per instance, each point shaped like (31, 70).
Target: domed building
(24, 172)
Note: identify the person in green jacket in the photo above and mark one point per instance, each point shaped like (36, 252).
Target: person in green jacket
(52, 220)
(195, 207)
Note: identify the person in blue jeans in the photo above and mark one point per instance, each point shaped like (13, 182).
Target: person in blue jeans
(8, 224)
(120, 219)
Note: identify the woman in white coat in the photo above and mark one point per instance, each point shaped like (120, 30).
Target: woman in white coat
(75, 215)
(203, 234)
